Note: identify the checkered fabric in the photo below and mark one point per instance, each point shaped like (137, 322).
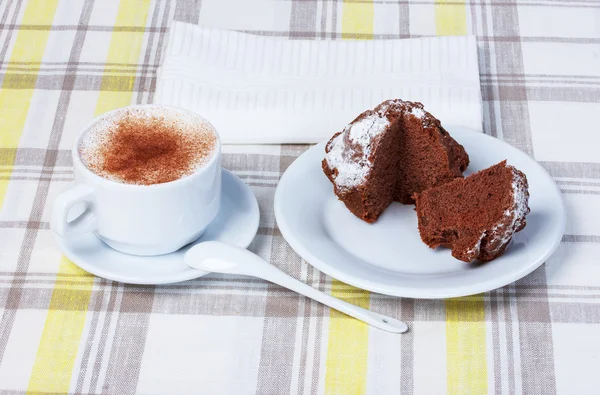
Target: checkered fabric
(65, 331)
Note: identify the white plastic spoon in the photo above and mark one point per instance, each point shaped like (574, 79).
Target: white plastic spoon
(217, 257)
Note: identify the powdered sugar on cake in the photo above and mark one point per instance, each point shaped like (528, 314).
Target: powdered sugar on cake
(474, 252)
(513, 218)
(352, 171)
(521, 198)
(417, 112)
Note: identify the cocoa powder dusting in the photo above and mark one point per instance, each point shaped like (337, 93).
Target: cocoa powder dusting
(151, 150)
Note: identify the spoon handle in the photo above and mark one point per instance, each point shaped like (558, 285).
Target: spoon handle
(389, 324)
(218, 257)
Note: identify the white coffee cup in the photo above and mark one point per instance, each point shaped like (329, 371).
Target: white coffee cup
(140, 219)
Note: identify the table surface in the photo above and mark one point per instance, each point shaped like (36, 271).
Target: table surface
(63, 330)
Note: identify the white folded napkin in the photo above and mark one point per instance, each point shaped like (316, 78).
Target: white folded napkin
(258, 89)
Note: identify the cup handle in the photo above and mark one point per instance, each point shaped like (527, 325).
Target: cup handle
(86, 222)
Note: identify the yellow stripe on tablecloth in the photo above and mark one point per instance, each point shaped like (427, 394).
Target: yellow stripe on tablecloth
(61, 336)
(358, 19)
(125, 47)
(450, 18)
(17, 89)
(346, 366)
(67, 313)
(465, 317)
(466, 346)
(347, 349)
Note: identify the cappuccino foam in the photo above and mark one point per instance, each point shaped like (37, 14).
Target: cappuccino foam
(147, 145)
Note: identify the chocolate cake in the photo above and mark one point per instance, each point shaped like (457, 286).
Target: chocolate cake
(475, 216)
(389, 153)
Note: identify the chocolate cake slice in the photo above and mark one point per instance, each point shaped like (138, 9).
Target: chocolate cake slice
(475, 216)
(389, 153)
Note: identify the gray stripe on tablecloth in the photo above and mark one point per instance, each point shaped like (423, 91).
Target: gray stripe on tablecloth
(535, 338)
(303, 18)
(40, 69)
(323, 22)
(510, 340)
(38, 171)
(514, 109)
(334, 16)
(278, 340)
(124, 362)
(513, 91)
(289, 153)
(167, 18)
(114, 293)
(304, 326)
(244, 162)
(248, 301)
(314, 313)
(222, 303)
(78, 64)
(33, 157)
(33, 178)
(579, 183)
(113, 300)
(96, 302)
(218, 282)
(37, 208)
(140, 82)
(187, 11)
(314, 387)
(24, 224)
(83, 81)
(407, 352)
(5, 8)
(15, 10)
(67, 67)
(234, 288)
(545, 39)
(579, 192)
(575, 313)
(572, 169)
(581, 239)
(429, 310)
(485, 65)
(541, 77)
(496, 351)
(404, 19)
(532, 81)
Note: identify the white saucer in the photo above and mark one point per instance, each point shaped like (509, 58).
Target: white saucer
(236, 223)
(388, 256)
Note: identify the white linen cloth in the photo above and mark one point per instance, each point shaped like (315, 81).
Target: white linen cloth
(258, 89)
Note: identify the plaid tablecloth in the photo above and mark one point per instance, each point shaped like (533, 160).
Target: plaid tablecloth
(63, 330)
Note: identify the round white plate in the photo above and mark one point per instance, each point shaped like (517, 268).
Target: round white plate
(236, 223)
(388, 256)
